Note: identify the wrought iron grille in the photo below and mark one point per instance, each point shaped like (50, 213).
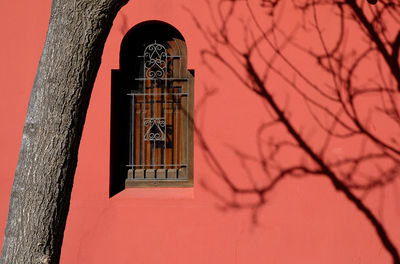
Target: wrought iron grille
(159, 121)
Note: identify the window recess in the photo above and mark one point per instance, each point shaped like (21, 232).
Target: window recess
(159, 100)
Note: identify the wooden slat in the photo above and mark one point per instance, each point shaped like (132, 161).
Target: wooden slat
(137, 129)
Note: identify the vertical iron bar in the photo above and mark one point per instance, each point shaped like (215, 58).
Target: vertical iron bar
(150, 116)
(133, 132)
(176, 134)
(165, 113)
(144, 113)
(187, 126)
(173, 127)
(140, 133)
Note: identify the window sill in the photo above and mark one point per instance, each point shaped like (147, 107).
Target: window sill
(136, 183)
(155, 193)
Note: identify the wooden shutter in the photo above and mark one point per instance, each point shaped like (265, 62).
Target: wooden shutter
(161, 144)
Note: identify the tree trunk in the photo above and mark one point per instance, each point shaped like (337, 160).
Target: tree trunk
(57, 108)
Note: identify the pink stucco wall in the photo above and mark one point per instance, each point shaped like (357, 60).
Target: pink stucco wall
(304, 221)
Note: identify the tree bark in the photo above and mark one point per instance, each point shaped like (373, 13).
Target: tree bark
(54, 122)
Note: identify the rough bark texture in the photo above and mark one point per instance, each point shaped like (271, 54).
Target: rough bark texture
(60, 96)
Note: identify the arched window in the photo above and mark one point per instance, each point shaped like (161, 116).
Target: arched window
(152, 109)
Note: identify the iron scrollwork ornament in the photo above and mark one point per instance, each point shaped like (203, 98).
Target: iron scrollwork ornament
(154, 129)
(155, 60)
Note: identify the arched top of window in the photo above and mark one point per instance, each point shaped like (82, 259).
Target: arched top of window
(143, 35)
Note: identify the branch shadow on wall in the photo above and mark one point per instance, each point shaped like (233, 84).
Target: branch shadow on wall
(344, 106)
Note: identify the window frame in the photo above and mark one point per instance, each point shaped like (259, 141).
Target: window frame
(122, 79)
